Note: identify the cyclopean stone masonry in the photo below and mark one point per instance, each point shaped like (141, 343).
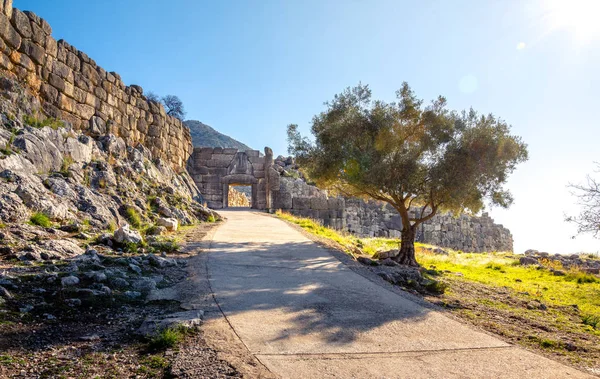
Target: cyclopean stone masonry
(377, 219)
(215, 169)
(72, 87)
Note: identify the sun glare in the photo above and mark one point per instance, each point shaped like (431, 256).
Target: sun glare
(578, 17)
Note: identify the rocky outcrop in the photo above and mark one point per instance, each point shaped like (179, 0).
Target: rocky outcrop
(70, 177)
(72, 87)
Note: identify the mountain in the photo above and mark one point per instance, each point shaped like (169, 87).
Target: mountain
(205, 136)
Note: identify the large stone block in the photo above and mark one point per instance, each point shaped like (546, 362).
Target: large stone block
(8, 33)
(318, 203)
(21, 23)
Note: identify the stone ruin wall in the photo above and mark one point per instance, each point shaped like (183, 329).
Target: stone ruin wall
(377, 219)
(215, 169)
(73, 88)
(466, 233)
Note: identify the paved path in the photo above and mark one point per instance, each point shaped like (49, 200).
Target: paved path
(304, 314)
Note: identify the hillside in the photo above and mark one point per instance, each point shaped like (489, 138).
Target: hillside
(205, 136)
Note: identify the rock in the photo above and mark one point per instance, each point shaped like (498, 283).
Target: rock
(69, 281)
(135, 268)
(132, 294)
(389, 262)
(530, 252)
(125, 235)
(48, 316)
(526, 261)
(106, 290)
(381, 255)
(96, 276)
(367, 261)
(90, 338)
(4, 293)
(106, 239)
(170, 223)
(387, 277)
(187, 319)
(558, 272)
(144, 285)
(156, 231)
(119, 283)
(160, 261)
(73, 302)
(27, 308)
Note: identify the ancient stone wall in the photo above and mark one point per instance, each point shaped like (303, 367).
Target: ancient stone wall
(72, 87)
(378, 219)
(466, 233)
(300, 199)
(215, 169)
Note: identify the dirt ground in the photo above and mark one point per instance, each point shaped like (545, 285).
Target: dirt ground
(98, 339)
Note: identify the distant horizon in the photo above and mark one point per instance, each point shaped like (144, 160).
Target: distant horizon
(250, 69)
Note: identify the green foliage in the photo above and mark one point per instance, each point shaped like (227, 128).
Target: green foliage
(8, 149)
(211, 218)
(436, 287)
(35, 122)
(591, 320)
(133, 217)
(40, 219)
(409, 155)
(66, 163)
(169, 246)
(167, 338)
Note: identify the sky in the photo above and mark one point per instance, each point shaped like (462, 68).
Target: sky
(250, 68)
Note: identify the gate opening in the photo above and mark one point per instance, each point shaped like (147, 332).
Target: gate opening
(239, 196)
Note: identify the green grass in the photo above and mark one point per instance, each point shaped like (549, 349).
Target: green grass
(591, 320)
(39, 123)
(501, 270)
(40, 219)
(66, 163)
(134, 218)
(167, 338)
(348, 242)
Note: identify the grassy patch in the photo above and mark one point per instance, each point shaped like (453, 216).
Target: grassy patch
(134, 218)
(591, 320)
(168, 246)
(349, 242)
(40, 123)
(66, 164)
(40, 219)
(211, 218)
(167, 338)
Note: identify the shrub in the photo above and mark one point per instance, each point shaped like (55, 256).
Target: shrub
(134, 218)
(40, 219)
(37, 123)
(591, 320)
(436, 287)
(66, 163)
(168, 246)
(167, 338)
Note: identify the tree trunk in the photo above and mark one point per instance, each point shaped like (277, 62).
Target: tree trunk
(407, 247)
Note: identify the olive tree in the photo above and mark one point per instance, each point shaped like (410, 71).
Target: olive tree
(419, 159)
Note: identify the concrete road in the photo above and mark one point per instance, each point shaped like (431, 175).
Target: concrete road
(304, 314)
